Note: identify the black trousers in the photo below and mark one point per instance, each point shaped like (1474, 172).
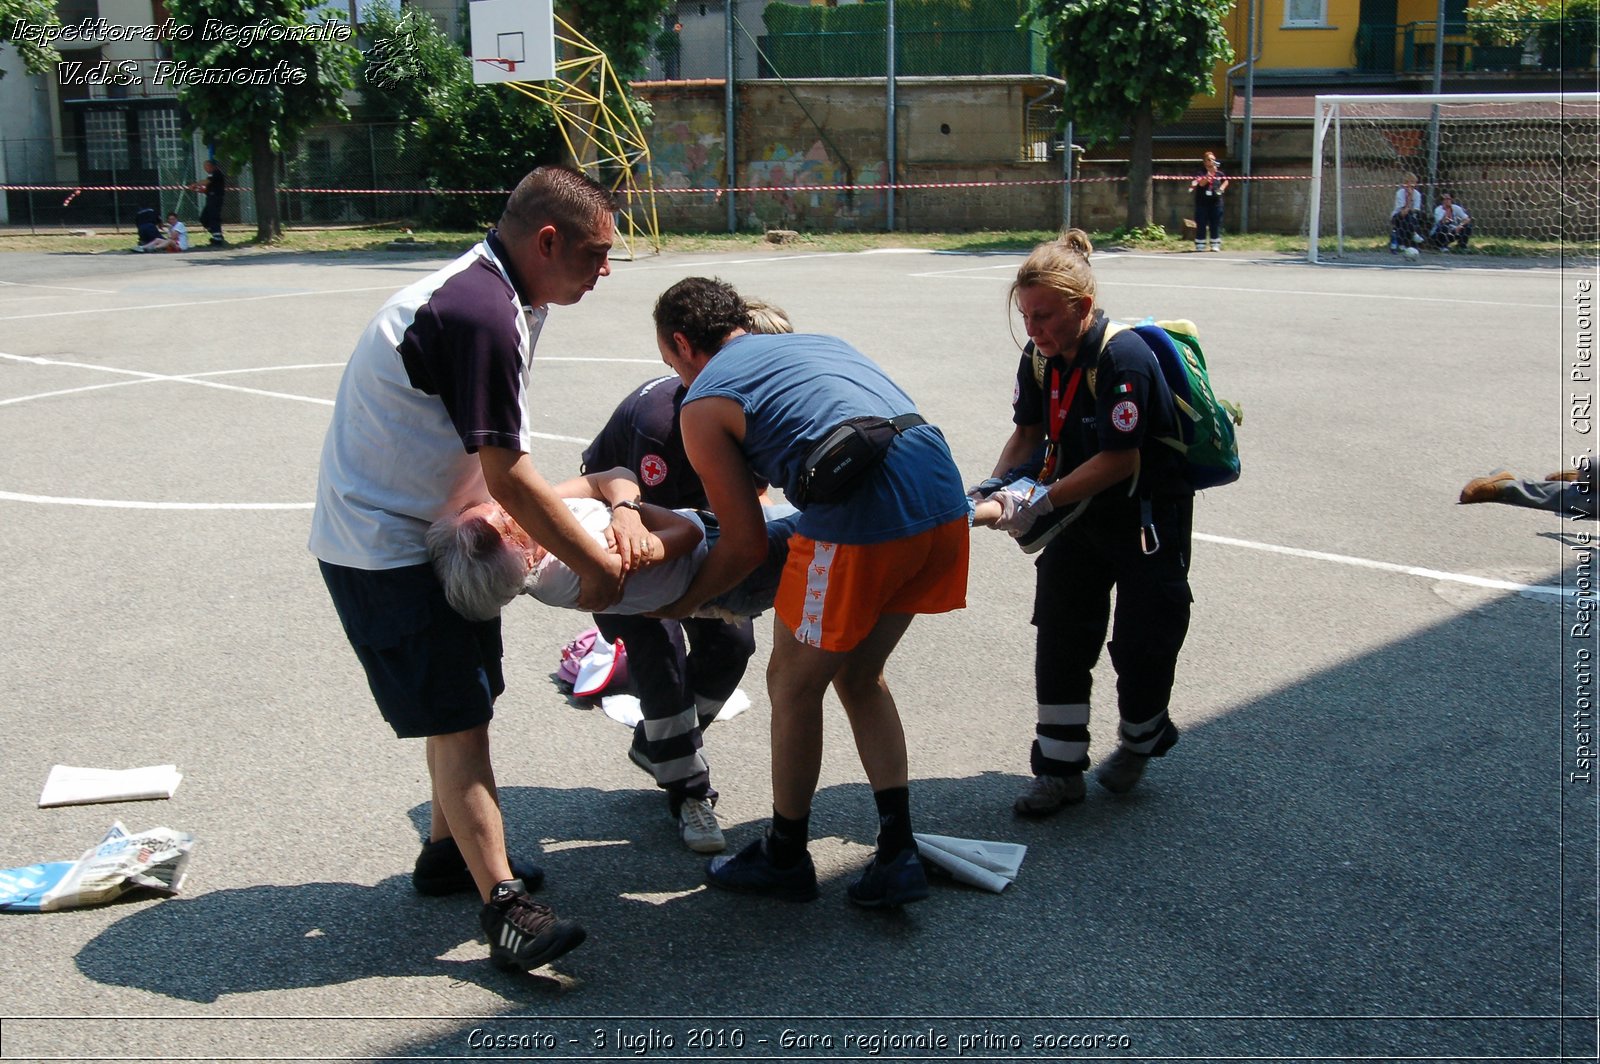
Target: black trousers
(680, 682)
(211, 217)
(1072, 608)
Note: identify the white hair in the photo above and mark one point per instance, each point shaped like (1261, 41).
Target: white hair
(480, 571)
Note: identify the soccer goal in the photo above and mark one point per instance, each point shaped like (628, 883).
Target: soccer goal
(1523, 165)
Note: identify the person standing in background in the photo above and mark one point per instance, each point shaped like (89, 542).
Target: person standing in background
(1208, 188)
(215, 187)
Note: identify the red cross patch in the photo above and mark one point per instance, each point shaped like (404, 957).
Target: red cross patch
(652, 469)
(1125, 416)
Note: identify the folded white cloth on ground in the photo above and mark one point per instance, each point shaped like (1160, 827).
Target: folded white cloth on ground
(976, 862)
(624, 709)
(69, 785)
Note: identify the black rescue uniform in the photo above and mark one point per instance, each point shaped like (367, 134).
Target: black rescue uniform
(681, 688)
(216, 191)
(1133, 536)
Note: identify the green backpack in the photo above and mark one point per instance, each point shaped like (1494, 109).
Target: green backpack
(1205, 437)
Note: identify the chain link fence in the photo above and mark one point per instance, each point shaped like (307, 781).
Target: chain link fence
(337, 174)
(966, 137)
(798, 40)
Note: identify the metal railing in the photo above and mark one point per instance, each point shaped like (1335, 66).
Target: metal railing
(1477, 46)
(918, 53)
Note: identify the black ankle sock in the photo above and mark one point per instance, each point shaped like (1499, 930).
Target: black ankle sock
(786, 840)
(894, 821)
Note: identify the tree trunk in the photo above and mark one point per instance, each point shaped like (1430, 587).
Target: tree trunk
(264, 172)
(1140, 166)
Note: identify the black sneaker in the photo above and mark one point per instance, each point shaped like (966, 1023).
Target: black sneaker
(889, 884)
(441, 870)
(751, 871)
(1049, 527)
(523, 934)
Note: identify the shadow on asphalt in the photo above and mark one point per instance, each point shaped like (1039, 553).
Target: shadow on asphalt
(1381, 839)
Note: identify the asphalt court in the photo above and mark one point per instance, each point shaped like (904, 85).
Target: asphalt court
(1355, 850)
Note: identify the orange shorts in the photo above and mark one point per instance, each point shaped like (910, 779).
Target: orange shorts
(832, 594)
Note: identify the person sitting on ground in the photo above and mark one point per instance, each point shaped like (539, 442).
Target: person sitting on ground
(1451, 224)
(177, 233)
(1405, 220)
(148, 225)
(1570, 490)
(485, 559)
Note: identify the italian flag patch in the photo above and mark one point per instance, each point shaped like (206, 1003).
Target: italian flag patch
(1124, 389)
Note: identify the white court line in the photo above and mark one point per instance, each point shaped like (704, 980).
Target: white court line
(573, 358)
(142, 375)
(149, 380)
(199, 302)
(194, 378)
(58, 288)
(1390, 567)
(73, 391)
(1226, 541)
(133, 504)
(1112, 280)
(767, 260)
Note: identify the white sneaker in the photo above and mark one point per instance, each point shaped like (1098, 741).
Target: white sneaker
(698, 827)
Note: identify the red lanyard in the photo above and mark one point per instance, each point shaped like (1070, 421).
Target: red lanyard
(1057, 418)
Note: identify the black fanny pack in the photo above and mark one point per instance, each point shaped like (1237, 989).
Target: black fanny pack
(853, 448)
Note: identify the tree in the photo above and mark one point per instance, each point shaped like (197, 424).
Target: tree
(623, 29)
(473, 136)
(37, 56)
(259, 82)
(1132, 61)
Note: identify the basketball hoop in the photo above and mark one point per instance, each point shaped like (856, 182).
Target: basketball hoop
(508, 65)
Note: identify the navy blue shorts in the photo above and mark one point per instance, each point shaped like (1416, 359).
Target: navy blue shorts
(432, 671)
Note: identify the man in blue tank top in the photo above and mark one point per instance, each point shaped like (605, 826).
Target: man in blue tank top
(859, 567)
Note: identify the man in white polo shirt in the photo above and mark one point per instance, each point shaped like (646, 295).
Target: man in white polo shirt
(435, 413)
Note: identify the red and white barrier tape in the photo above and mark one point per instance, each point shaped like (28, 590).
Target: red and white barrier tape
(908, 186)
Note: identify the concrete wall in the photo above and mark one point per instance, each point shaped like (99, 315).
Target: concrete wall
(834, 135)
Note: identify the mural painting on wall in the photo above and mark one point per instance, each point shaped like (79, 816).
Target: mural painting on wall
(788, 173)
(688, 154)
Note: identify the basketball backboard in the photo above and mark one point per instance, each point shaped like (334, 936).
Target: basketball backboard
(512, 40)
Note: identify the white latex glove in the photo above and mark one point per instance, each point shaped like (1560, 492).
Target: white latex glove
(1018, 512)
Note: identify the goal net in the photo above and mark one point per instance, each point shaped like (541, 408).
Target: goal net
(1523, 165)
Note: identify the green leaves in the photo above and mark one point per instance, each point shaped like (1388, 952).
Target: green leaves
(474, 136)
(623, 29)
(1118, 55)
(29, 17)
(307, 76)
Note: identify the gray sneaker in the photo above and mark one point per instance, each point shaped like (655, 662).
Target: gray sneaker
(1121, 771)
(698, 827)
(1050, 794)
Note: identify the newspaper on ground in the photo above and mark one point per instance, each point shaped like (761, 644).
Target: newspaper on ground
(156, 859)
(71, 785)
(978, 863)
(625, 709)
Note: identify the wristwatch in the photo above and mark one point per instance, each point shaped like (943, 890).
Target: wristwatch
(629, 504)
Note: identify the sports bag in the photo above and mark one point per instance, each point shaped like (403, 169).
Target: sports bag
(1205, 439)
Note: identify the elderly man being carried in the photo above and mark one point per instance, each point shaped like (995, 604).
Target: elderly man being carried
(485, 559)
